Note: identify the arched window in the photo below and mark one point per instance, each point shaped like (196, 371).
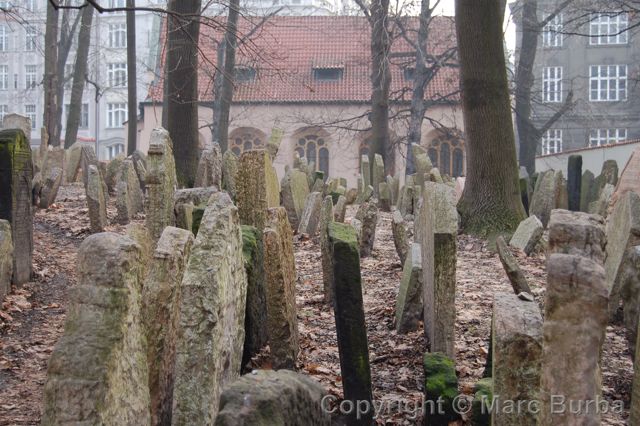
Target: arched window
(446, 152)
(114, 150)
(246, 139)
(315, 148)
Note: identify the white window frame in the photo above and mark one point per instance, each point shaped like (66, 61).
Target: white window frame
(4, 110)
(600, 137)
(31, 35)
(116, 114)
(552, 142)
(30, 111)
(552, 32)
(607, 83)
(117, 3)
(4, 77)
(609, 28)
(118, 36)
(117, 72)
(30, 76)
(552, 84)
(4, 39)
(114, 150)
(84, 116)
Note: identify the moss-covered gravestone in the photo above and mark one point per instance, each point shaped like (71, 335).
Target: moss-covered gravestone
(586, 190)
(209, 171)
(96, 201)
(365, 171)
(16, 172)
(409, 308)
(161, 297)
(97, 373)
(310, 218)
(294, 193)
(482, 402)
(161, 183)
(6, 258)
(326, 217)
(340, 209)
(229, 172)
(377, 173)
(367, 214)
(440, 384)
(400, 236)
(257, 188)
(548, 195)
(129, 196)
(349, 315)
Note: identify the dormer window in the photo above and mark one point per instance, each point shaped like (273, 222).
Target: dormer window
(245, 74)
(328, 74)
(409, 73)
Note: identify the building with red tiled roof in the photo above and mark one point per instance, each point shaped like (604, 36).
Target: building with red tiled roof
(310, 77)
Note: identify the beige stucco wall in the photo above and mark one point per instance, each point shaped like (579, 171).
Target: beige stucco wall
(592, 158)
(344, 145)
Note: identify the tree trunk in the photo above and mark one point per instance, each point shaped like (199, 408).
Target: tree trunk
(527, 133)
(181, 100)
(380, 82)
(79, 76)
(50, 75)
(420, 79)
(67, 34)
(220, 130)
(132, 127)
(490, 201)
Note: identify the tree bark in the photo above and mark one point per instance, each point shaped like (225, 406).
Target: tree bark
(181, 100)
(220, 130)
(132, 127)
(79, 76)
(67, 34)
(50, 74)
(490, 201)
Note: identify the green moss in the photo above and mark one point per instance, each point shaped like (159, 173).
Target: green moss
(343, 232)
(197, 214)
(249, 242)
(483, 395)
(440, 376)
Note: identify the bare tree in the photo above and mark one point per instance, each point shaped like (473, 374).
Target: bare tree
(490, 201)
(50, 72)
(132, 128)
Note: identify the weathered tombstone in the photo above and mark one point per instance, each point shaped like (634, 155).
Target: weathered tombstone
(185, 202)
(340, 209)
(16, 173)
(400, 236)
(280, 278)
(318, 186)
(96, 201)
(17, 121)
(516, 333)
(212, 312)
(98, 372)
(511, 267)
(482, 400)
(6, 258)
(384, 195)
(273, 144)
(365, 171)
(630, 295)
(368, 215)
(623, 232)
(350, 324)
(139, 160)
(421, 161)
(586, 190)
(311, 214)
(525, 188)
(576, 317)
(161, 183)
(377, 173)
(326, 217)
(294, 194)
(50, 186)
(601, 205)
(365, 195)
(629, 177)
(351, 195)
(574, 181)
(435, 176)
(209, 171)
(409, 302)
(634, 410)
(440, 389)
(267, 397)
(394, 187)
(129, 197)
(72, 162)
(229, 172)
(357, 226)
(257, 187)
(113, 171)
(405, 201)
(161, 296)
(527, 235)
(88, 158)
(255, 321)
(550, 193)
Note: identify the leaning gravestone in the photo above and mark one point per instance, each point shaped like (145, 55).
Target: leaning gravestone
(586, 190)
(629, 178)
(161, 183)
(16, 172)
(576, 318)
(351, 329)
(267, 397)
(257, 188)
(340, 209)
(113, 172)
(377, 173)
(527, 235)
(384, 195)
(139, 160)
(630, 295)
(574, 182)
(516, 333)
(280, 279)
(548, 195)
(311, 214)
(409, 305)
(72, 162)
(50, 186)
(97, 372)
(96, 201)
(326, 217)
(129, 197)
(295, 190)
(623, 232)
(6, 258)
(161, 297)
(212, 312)
(88, 158)
(601, 205)
(368, 215)
(400, 236)
(209, 171)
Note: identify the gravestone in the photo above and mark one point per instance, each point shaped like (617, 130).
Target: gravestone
(212, 312)
(161, 183)
(511, 267)
(6, 258)
(623, 232)
(209, 171)
(365, 171)
(548, 195)
(129, 197)
(161, 299)
(516, 333)
(601, 204)
(435, 176)
(255, 321)
(96, 201)
(440, 389)
(405, 200)
(384, 195)
(409, 307)
(349, 315)
(351, 196)
(139, 160)
(113, 171)
(273, 144)
(629, 177)
(367, 214)
(586, 190)
(421, 161)
(527, 235)
(50, 186)
(634, 410)
(377, 173)
(326, 217)
(400, 235)
(525, 188)
(257, 187)
(294, 194)
(229, 172)
(280, 279)
(140, 235)
(576, 317)
(267, 397)
(17, 121)
(72, 162)
(16, 173)
(311, 214)
(630, 295)
(88, 158)
(574, 182)
(340, 209)
(393, 182)
(97, 373)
